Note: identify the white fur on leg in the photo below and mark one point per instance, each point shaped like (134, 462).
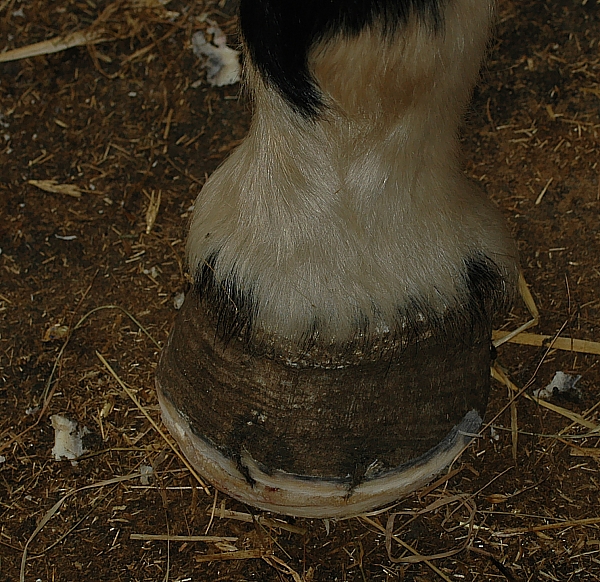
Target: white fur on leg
(362, 212)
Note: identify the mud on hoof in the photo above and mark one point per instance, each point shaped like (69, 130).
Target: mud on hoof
(333, 433)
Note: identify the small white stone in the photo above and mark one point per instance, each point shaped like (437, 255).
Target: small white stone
(178, 300)
(561, 383)
(67, 438)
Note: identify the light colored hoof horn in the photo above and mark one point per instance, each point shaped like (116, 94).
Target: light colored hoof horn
(328, 433)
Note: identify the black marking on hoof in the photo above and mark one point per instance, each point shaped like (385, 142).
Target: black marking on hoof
(244, 471)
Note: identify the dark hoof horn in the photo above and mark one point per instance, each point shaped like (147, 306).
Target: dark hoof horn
(336, 437)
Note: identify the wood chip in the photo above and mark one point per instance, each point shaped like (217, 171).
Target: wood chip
(54, 187)
(54, 45)
(239, 555)
(585, 452)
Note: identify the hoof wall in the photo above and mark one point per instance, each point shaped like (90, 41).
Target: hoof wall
(323, 435)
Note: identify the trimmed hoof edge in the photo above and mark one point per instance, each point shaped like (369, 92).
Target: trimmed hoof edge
(313, 497)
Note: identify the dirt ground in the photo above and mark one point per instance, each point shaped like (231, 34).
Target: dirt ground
(86, 274)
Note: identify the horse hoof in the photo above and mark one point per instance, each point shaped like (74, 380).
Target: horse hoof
(328, 432)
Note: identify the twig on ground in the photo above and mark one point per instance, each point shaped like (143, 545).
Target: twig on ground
(501, 567)
(237, 555)
(531, 307)
(173, 538)
(264, 521)
(558, 525)
(278, 563)
(152, 421)
(212, 513)
(559, 343)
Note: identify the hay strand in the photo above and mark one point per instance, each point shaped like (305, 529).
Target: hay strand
(237, 555)
(559, 343)
(527, 297)
(174, 538)
(152, 421)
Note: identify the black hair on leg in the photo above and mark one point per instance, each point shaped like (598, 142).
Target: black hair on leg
(280, 33)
